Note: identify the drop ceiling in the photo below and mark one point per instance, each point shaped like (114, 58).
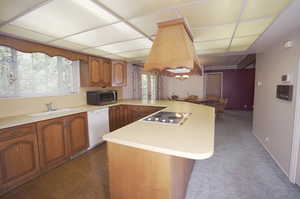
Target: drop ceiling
(124, 29)
(220, 60)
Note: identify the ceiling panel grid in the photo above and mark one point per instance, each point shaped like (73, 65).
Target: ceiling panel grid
(122, 28)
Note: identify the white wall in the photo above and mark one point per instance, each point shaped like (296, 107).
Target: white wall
(274, 118)
(183, 88)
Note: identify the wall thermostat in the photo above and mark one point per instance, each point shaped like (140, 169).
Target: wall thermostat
(285, 78)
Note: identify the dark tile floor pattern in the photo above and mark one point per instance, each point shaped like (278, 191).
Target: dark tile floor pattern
(82, 178)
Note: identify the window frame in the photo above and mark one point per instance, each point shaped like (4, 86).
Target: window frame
(75, 76)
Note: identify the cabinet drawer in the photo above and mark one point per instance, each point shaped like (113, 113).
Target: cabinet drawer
(18, 131)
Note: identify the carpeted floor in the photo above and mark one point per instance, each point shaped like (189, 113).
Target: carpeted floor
(240, 167)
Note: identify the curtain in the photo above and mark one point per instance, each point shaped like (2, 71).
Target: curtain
(136, 82)
(36, 74)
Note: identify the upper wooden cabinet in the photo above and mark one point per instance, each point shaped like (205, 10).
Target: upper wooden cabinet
(96, 72)
(19, 156)
(119, 73)
(99, 72)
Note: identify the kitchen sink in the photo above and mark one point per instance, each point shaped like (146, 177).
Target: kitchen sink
(53, 112)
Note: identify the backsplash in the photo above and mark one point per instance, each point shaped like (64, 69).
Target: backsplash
(21, 106)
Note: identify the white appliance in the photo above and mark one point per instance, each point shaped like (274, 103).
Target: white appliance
(98, 123)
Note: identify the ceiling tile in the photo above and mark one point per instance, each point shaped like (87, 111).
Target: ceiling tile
(94, 51)
(11, 8)
(220, 60)
(255, 27)
(127, 45)
(137, 59)
(108, 34)
(212, 12)
(242, 43)
(263, 8)
(148, 24)
(136, 53)
(68, 44)
(25, 33)
(214, 33)
(134, 8)
(218, 44)
(60, 18)
(212, 51)
(113, 56)
(239, 48)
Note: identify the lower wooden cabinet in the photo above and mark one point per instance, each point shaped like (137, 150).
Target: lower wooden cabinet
(53, 142)
(19, 158)
(27, 150)
(121, 115)
(60, 138)
(78, 133)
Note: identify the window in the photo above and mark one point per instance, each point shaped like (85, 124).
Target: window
(36, 74)
(149, 86)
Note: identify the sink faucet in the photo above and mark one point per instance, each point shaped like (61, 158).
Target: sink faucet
(50, 107)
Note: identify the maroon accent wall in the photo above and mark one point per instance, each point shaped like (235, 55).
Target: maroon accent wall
(238, 87)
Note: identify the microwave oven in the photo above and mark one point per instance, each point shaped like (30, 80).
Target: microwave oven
(101, 97)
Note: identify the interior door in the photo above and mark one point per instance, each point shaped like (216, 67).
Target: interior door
(213, 84)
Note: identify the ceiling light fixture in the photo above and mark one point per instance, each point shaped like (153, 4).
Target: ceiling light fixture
(182, 77)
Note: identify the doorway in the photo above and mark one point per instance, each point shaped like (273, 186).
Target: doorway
(149, 86)
(214, 84)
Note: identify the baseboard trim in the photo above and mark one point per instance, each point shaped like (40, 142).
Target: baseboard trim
(272, 156)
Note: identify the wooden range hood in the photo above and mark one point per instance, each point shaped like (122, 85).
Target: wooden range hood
(172, 49)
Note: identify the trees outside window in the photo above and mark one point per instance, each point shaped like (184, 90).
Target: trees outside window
(36, 74)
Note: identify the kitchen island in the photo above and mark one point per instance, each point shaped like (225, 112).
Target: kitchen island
(155, 160)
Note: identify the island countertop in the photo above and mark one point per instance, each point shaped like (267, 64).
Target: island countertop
(194, 139)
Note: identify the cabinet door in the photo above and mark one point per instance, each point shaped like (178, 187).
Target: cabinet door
(95, 65)
(77, 132)
(19, 158)
(119, 74)
(105, 73)
(53, 143)
(116, 118)
(112, 118)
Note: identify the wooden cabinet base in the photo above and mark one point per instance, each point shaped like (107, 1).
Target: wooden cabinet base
(136, 174)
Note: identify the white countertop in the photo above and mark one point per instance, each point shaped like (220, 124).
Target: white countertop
(194, 139)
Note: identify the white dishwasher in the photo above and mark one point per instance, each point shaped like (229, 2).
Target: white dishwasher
(98, 124)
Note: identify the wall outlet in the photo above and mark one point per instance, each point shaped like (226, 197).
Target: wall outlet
(266, 139)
